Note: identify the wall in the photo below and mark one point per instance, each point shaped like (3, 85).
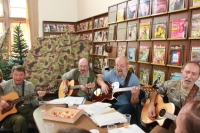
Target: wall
(89, 8)
(56, 10)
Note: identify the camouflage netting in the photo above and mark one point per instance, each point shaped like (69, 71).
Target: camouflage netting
(50, 58)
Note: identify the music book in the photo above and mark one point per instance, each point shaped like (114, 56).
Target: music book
(159, 6)
(195, 54)
(144, 76)
(159, 54)
(195, 25)
(160, 30)
(75, 100)
(158, 76)
(176, 5)
(143, 8)
(144, 30)
(196, 3)
(107, 119)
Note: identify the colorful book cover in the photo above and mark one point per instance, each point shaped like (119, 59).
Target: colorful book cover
(195, 25)
(121, 50)
(100, 50)
(98, 36)
(71, 28)
(159, 54)
(176, 5)
(144, 30)
(96, 22)
(159, 6)
(52, 27)
(131, 54)
(132, 68)
(96, 49)
(143, 8)
(120, 15)
(158, 76)
(195, 54)
(160, 30)
(178, 28)
(86, 25)
(46, 28)
(131, 32)
(105, 23)
(131, 11)
(144, 54)
(105, 36)
(196, 3)
(90, 25)
(101, 20)
(144, 76)
(175, 76)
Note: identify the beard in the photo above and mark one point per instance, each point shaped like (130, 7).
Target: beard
(121, 73)
(187, 83)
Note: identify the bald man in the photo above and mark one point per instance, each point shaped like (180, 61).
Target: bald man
(83, 75)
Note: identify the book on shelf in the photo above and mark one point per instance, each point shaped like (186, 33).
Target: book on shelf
(131, 31)
(59, 28)
(86, 25)
(101, 20)
(120, 14)
(144, 54)
(90, 37)
(96, 49)
(160, 30)
(143, 8)
(65, 27)
(98, 36)
(90, 25)
(71, 28)
(159, 6)
(81, 27)
(105, 23)
(158, 76)
(196, 3)
(105, 35)
(179, 28)
(111, 33)
(176, 55)
(52, 27)
(100, 63)
(195, 54)
(91, 49)
(78, 28)
(46, 28)
(96, 23)
(144, 30)
(176, 5)
(132, 68)
(159, 54)
(96, 62)
(175, 76)
(195, 25)
(144, 76)
(100, 50)
(121, 50)
(131, 54)
(131, 11)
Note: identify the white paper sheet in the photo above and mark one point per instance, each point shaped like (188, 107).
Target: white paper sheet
(75, 100)
(133, 129)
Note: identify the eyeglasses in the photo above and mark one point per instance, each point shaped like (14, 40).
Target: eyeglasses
(120, 66)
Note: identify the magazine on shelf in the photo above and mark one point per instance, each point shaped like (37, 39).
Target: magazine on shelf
(158, 76)
(175, 76)
(98, 36)
(131, 11)
(101, 20)
(176, 55)
(52, 27)
(179, 28)
(86, 26)
(120, 14)
(100, 50)
(159, 54)
(96, 49)
(195, 25)
(96, 23)
(111, 33)
(159, 6)
(71, 28)
(143, 8)
(96, 62)
(196, 3)
(176, 5)
(131, 31)
(160, 30)
(121, 50)
(131, 54)
(144, 76)
(46, 28)
(144, 30)
(195, 54)
(144, 54)
(91, 49)
(132, 68)
(90, 25)
(105, 35)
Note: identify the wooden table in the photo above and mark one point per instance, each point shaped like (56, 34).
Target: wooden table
(83, 122)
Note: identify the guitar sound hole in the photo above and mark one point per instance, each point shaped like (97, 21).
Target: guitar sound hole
(162, 112)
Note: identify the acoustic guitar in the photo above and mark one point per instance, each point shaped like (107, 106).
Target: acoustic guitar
(162, 110)
(13, 99)
(114, 92)
(73, 87)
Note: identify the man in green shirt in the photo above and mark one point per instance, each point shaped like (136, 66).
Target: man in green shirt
(83, 75)
(19, 121)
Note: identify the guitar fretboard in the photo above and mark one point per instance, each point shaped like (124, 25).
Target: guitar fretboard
(170, 116)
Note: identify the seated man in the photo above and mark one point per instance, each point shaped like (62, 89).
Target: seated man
(19, 121)
(83, 75)
(127, 101)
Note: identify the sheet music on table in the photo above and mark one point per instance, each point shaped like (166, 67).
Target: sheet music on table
(75, 100)
(108, 118)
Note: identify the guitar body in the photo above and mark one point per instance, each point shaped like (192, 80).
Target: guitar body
(71, 92)
(159, 107)
(10, 110)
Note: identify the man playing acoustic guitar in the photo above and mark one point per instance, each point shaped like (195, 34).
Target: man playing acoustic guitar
(13, 89)
(83, 75)
(178, 92)
(128, 99)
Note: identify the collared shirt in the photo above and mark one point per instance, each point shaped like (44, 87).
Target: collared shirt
(9, 86)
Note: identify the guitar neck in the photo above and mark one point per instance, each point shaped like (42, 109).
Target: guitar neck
(170, 116)
(75, 87)
(122, 89)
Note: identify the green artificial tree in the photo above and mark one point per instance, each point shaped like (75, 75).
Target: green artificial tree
(19, 46)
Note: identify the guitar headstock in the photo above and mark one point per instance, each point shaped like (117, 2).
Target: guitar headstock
(147, 88)
(90, 85)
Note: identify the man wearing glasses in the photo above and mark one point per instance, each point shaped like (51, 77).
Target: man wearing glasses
(128, 99)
